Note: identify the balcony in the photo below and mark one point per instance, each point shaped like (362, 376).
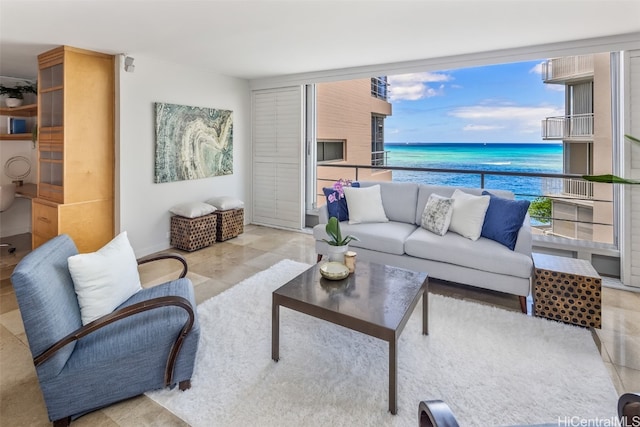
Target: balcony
(567, 69)
(569, 223)
(577, 127)
(380, 87)
(379, 158)
(570, 187)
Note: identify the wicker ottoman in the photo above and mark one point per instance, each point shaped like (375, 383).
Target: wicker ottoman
(190, 234)
(230, 223)
(568, 290)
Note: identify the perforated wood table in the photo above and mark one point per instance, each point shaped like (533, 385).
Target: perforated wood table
(376, 300)
(567, 289)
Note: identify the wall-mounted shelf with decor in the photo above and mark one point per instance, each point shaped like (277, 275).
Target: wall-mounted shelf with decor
(15, 137)
(30, 110)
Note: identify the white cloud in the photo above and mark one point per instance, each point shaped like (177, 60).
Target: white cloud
(509, 112)
(537, 69)
(412, 87)
(523, 119)
(554, 88)
(414, 92)
(481, 127)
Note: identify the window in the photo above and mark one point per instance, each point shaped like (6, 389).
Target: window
(330, 151)
(377, 141)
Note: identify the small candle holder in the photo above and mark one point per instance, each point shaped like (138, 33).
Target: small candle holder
(350, 261)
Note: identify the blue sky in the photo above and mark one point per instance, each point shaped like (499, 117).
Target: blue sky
(496, 103)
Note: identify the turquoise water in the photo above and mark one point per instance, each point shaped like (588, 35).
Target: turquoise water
(517, 157)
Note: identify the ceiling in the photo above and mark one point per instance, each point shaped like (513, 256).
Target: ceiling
(255, 39)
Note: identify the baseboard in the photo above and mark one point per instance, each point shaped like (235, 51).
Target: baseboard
(8, 232)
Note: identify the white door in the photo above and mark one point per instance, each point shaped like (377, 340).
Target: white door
(630, 256)
(278, 162)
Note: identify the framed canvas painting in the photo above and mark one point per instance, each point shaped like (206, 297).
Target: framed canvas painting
(192, 142)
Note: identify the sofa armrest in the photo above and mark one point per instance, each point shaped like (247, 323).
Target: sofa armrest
(323, 214)
(525, 240)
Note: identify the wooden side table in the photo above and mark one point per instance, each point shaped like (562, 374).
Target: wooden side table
(567, 290)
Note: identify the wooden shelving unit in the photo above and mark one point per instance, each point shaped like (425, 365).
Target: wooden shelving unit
(75, 160)
(30, 110)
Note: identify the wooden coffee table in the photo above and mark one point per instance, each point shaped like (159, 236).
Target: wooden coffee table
(376, 300)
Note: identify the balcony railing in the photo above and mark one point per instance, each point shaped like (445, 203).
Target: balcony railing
(577, 126)
(567, 68)
(564, 189)
(569, 187)
(380, 87)
(379, 158)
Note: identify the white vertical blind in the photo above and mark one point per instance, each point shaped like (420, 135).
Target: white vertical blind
(278, 157)
(633, 199)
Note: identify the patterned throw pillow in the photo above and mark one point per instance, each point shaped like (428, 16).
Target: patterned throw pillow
(437, 214)
(336, 202)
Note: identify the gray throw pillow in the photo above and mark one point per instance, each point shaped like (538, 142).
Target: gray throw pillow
(437, 214)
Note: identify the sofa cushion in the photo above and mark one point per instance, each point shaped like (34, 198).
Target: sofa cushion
(365, 205)
(399, 200)
(386, 237)
(468, 214)
(503, 219)
(192, 209)
(425, 190)
(483, 254)
(437, 214)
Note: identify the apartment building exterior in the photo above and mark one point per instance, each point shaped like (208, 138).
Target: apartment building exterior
(350, 130)
(582, 210)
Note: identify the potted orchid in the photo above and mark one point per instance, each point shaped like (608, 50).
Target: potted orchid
(337, 209)
(338, 244)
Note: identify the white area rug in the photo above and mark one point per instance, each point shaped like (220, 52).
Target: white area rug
(493, 367)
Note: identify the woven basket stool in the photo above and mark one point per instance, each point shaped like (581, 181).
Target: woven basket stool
(190, 234)
(230, 224)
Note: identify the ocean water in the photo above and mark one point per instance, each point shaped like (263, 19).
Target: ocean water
(515, 157)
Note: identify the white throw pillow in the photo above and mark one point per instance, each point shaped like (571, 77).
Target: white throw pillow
(192, 209)
(225, 202)
(365, 204)
(468, 214)
(105, 279)
(437, 213)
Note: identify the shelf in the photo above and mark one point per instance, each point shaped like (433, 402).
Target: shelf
(30, 110)
(16, 137)
(27, 190)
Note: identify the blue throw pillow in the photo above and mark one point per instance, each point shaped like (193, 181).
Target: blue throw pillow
(337, 205)
(503, 219)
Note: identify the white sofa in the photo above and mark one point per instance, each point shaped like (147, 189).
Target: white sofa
(403, 243)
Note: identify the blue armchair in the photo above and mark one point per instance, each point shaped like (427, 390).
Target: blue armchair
(148, 342)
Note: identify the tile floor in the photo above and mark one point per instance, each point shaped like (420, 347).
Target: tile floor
(220, 266)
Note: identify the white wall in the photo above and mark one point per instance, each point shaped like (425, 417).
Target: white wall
(16, 219)
(142, 207)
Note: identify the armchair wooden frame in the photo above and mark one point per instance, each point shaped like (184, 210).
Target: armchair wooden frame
(435, 413)
(126, 312)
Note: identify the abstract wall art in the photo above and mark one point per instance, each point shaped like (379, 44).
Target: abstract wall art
(192, 142)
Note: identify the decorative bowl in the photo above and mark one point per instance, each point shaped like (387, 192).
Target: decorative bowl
(334, 270)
